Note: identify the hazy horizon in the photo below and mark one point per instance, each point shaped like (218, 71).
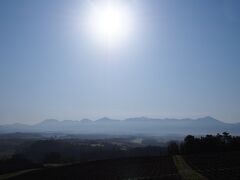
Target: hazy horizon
(168, 59)
(121, 119)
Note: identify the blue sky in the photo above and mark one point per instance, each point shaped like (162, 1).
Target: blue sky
(182, 61)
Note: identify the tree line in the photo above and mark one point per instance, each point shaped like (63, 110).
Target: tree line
(204, 144)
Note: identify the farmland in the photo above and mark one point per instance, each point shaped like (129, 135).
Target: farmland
(216, 166)
(213, 157)
(123, 168)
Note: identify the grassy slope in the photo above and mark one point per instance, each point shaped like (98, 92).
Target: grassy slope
(10, 175)
(117, 169)
(186, 172)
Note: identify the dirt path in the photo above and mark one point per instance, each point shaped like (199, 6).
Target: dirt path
(185, 171)
(9, 175)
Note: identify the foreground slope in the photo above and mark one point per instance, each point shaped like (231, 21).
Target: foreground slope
(124, 168)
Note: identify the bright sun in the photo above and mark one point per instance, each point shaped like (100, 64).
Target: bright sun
(110, 23)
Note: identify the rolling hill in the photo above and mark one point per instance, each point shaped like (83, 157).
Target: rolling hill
(141, 125)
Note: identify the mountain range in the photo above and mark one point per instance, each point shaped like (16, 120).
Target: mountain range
(130, 126)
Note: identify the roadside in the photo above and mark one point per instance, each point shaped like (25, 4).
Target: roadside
(185, 171)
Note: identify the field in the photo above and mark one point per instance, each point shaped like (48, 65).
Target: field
(216, 166)
(124, 168)
(128, 158)
(213, 166)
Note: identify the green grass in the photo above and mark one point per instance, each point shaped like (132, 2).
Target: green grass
(185, 171)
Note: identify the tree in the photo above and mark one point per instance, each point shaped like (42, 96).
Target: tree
(173, 148)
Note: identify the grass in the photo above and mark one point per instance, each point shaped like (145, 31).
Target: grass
(185, 171)
(9, 175)
(132, 168)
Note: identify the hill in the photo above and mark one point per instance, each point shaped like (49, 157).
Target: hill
(130, 126)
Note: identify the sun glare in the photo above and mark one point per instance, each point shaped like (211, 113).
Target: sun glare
(109, 23)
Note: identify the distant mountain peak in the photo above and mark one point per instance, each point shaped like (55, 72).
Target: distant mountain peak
(47, 121)
(86, 121)
(143, 118)
(208, 118)
(106, 119)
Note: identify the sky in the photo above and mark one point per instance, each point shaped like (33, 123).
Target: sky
(180, 60)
